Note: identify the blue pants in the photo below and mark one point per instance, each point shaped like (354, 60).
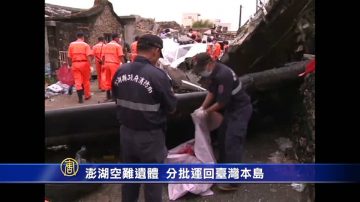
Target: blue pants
(142, 147)
(232, 134)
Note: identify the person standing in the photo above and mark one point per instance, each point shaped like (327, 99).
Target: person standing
(79, 54)
(143, 96)
(216, 50)
(113, 57)
(226, 47)
(134, 49)
(227, 96)
(97, 51)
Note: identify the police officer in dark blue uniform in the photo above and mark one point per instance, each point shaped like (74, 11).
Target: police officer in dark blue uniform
(226, 95)
(144, 96)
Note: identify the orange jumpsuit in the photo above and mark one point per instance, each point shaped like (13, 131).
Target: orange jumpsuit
(134, 52)
(78, 53)
(209, 49)
(112, 54)
(214, 50)
(97, 51)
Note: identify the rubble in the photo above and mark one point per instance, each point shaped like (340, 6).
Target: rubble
(58, 147)
(144, 26)
(298, 187)
(266, 41)
(57, 11)
(169, 24)
(284, 143)
(303, 127)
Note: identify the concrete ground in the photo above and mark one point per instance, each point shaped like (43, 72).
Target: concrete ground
(63, 101)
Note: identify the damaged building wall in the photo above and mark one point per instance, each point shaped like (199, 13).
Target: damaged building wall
(129, 32)
(47, 60)
(60, 36)
(129, 23)
(100, 20)
(105, 23)
(281, 36)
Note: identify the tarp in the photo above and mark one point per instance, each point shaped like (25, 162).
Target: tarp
(169, 49)
(195, 49)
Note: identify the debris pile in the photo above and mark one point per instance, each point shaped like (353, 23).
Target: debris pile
(285, 153)
(269, 40)
(57, 89)
(304, 124)
(169, 24)
(144, 26)
(59, 11)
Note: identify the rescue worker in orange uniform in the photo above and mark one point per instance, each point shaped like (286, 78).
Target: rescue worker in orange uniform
(213, 49)
(80, 54)
(133, 49)
(210, 45)
(216, 50)
(97, 51)
(113, 57)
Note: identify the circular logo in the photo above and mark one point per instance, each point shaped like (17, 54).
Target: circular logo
(69, 167)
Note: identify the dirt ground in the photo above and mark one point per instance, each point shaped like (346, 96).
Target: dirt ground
(259, 147)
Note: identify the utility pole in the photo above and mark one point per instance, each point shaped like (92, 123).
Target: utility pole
(257, 3)
(240, 16)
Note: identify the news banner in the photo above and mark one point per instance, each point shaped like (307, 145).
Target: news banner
(70, 171)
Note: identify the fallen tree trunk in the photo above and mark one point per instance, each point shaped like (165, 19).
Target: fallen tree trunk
(95, 122)
(269, 79)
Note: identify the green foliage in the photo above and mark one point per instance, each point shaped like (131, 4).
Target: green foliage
(50, 80)
(202, 24)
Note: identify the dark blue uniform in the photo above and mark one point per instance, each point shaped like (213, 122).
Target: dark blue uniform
(144, 97)
(228, 90)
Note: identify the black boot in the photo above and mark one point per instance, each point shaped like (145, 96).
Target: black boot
(108, 95)
(80, 95)
(70, 90)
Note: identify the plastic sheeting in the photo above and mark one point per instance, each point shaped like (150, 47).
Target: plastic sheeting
(198, 150)
(56, 89)
(190, 51)
(169, 49)
(64, 75)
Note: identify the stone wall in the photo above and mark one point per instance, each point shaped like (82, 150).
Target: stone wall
(46, 47)
(59, 38)
(129, 32)
(106, 22)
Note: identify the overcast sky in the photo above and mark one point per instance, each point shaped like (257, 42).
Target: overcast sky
(167, 10)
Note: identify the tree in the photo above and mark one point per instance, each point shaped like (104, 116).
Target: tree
(202, 24)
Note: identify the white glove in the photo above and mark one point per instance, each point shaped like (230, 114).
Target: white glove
(201, 114)
(198, 109)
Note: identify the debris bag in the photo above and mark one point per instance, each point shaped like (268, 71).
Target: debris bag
(64, 86)
(55, 88)
(198, 150)
(64, 75)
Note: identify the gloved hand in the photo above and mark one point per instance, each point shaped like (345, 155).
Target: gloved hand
(198, 109)
(201, 113)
